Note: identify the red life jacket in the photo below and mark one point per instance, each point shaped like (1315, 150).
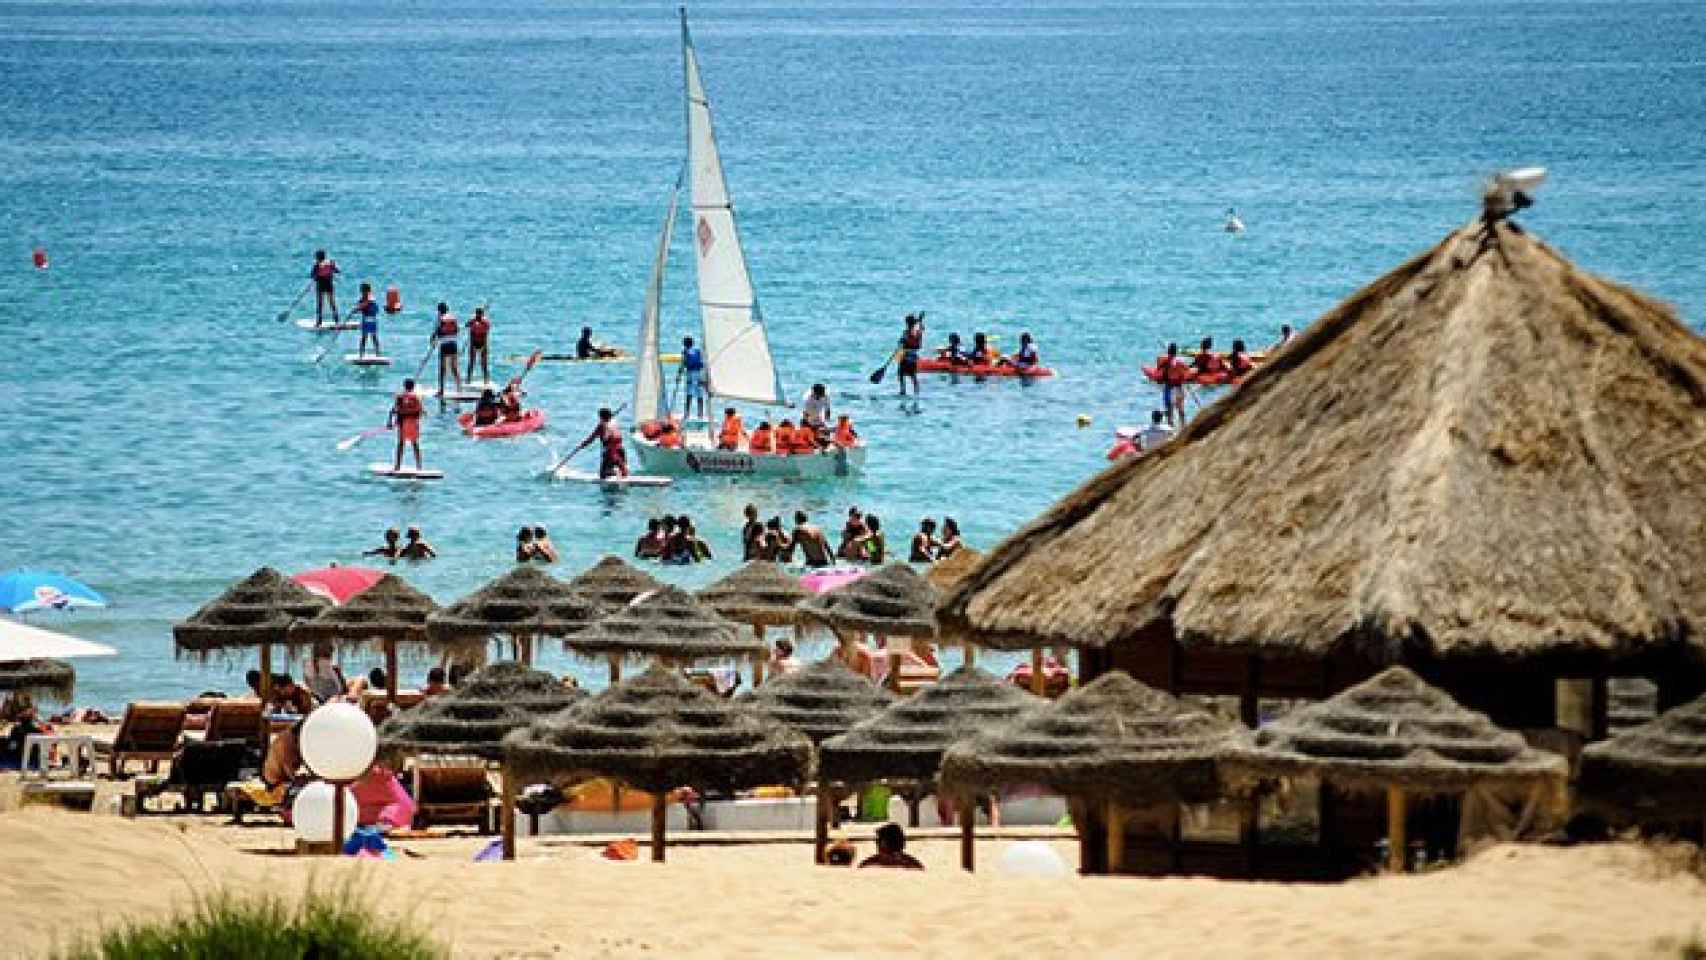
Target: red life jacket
(612, 439)
(1174, 372)
(447, 325)
(669, 440)
(729, 438)
(759, 441)
(845, 435)
(1210, 363)
(1241, 364)
(914, 338)
(477, 330)
(324, 269)
(408, 406)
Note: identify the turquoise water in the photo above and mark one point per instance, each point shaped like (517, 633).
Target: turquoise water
(1061, 170)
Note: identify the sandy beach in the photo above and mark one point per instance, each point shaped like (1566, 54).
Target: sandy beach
(1616, 900)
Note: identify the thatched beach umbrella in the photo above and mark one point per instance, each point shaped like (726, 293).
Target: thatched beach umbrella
(946, 573)
(614, 581)
(759, 594)
(39, 677)
(1111, 746)
(473, 719)
(657, 732)
(257, 611)
(522, 604)
(665, 624)
(390, 611)
(892, 602)
(1395, 734)
(1484, 464)
(1655, 772)
(906, 741)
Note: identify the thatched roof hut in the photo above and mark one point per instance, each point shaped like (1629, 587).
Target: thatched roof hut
(390, 610)
(656, 732)
(892, 602)
(906, 740)
(526, 602)
(257, 611)
(1653, 772)
(666, 623)
(1111, 739)
(40, 677)
(823, 700)
(1486, 454)
(946, 573)
(473, 719)
(614, 581)
(758, 593)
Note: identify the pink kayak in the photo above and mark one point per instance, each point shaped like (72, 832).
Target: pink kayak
(530, 421)
(823, 581)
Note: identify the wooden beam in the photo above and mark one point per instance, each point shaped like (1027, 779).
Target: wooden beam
(266, 697)
(758, 664)
(506, 813)
(1600, 726)
(660, 810)
(1116, 837)
(1039, 683)
(820, 832)
(1395, 836)
(391, 673)
(968, 835)
(971, 654)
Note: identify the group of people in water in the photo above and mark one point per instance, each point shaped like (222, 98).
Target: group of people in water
(413, 549)
(672, 540)
(1178, 373)
(862, 540)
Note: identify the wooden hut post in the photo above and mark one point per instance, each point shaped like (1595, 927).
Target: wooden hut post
(391, 672)
(1600, 726)
(266, 696)
(971, 654)
(968, 838)
(660, 810)
(1039, 684)
(1395, 815)
(820, 832)
(1116, 837)
(507, 813)
(758, 664)
(615, 669)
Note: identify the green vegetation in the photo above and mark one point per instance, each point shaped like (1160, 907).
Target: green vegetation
(329, 925)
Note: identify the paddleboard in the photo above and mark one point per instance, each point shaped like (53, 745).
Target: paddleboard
(371, 360)
(387, 472)
(571, 358)
(330, 326)
(632, 480)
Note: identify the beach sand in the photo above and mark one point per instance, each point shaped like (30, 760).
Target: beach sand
(66, 873)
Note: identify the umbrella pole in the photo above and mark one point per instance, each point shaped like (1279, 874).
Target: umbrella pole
(971, 655)
(266, 696)
(1395, 816)
(820, 832)
(391, 673)
(1116, 837)
(507, 814)
(895, 657)
(1039, 683)
(660, 806)
(758, 664)
(968, 839)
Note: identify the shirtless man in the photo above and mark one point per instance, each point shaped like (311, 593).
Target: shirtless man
(416, 549)
(390, 549)
(923, 543)
(811, 541)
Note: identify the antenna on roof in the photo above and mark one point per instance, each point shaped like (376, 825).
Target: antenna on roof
(1510, 191)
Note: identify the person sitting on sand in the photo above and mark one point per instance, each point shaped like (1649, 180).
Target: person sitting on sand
(651, 543)
(543, 547)
(950, 542)
(435, 683)
(924, 544)
(390, 549)
(809, 538)
(416, 549)
(891, 850)
(851, 533)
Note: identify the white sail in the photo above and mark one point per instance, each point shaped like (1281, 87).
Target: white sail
(737, 350)
(648, 372)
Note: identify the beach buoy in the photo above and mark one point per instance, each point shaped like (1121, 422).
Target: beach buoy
(393, 299)
(38, 256)
(1083, 420)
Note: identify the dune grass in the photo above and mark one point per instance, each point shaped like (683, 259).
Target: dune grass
(329, 925)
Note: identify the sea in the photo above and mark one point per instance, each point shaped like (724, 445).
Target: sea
(1062, 169)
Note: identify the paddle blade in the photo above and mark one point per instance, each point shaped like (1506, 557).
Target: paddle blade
(878, 374)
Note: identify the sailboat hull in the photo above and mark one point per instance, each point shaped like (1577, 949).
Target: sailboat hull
(703, 460)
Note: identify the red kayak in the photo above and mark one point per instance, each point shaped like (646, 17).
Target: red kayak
(938, 365)
(530, 421)
(1200, 379)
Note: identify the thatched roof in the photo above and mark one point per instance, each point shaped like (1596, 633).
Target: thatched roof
(526, 601)
(1394, 730)
(893, 602)
(656, 732)
(1111, 739)
(906, 741)
(1655, 771)
(1486, 453)
(946, 573)
(758, 593)
(614, 581)
(389, 610)
(255, 611)
(667, 622)
(822, 700)
(53, 679)
(473, 719)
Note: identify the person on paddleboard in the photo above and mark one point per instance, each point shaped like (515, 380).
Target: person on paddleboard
(405, 417)
(321, 273)
(479, 336)
(444, 334)
(367, 309)
(911, 342)
(693, 370)
(1173, 373)
(613, 458)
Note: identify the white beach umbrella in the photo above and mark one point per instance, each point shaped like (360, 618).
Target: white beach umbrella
(21, 641)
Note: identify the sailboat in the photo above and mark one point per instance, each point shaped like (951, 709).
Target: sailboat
(738, 363)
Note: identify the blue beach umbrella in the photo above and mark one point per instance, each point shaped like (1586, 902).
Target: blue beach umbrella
(22, 591)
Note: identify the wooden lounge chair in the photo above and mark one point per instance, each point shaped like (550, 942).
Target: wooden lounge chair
(196, 712)
(452, 790)
(149, 734)
(373, 703)
(236, 720)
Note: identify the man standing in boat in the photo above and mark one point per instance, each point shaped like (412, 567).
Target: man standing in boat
(693, 369)
(613, 457)
(815, 412)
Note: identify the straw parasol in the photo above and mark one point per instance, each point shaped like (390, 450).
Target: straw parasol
(823, 700)
(389, 611)
(1395, 733)
(665, 623)
(656, 732)
(947, 572)
(39, 677)
(894, 601)
(257, 611)
(614, 581)
(759, 594)
(1653, 772)
(473, 720)
(1487, 454)
(524, 603)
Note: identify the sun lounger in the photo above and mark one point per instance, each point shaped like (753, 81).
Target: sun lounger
(236, 720)
(373, 703)
(148, 734)
(197, 710)
(452, 790)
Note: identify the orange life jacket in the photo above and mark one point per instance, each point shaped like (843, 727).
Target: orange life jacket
(1241, 364)
(784, 439)
(408, 406)
(760, 441)
(729, 439)
(804, 440)
(1210, 363)
(669, 439)
(845, 435)
(1174, 372)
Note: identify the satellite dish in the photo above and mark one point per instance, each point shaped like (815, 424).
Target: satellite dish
(1512, 190)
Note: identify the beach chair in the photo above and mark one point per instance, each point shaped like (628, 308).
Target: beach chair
(148, 734)
(373, 703)
(452, 790)
(197, 710)
(236, 720)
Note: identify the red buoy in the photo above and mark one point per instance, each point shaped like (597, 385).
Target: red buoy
(393, 299)
(39, 258)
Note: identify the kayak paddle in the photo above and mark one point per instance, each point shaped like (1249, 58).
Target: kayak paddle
(878, 374)
(559, 464)
(350, 442)
(284, 314)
